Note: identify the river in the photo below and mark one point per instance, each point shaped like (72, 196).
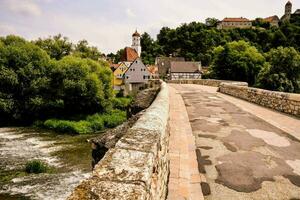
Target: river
(68, 156)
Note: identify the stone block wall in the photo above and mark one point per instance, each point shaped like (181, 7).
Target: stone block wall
(208, 82)
(288, 103)
(284, 102)
(138, 167)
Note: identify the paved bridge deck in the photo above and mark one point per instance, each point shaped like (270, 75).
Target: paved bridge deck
(244, 151)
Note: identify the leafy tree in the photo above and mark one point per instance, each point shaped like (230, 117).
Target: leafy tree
(282, 72)
(212, 22)
(83, 50)
(150, 49)
(237, 61)
(56, 47)
(32, 86)
(259, 22)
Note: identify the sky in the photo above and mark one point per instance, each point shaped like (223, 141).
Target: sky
(109, 24)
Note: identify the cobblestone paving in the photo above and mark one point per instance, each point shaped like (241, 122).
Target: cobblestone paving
(242, 156)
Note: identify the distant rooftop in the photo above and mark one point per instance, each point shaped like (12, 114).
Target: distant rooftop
(241, 19)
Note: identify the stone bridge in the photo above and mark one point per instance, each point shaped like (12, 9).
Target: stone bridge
(205, 139)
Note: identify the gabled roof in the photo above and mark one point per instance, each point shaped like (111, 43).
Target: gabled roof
(129, 55)
(241, 19)
(185, 67)
(272, 18)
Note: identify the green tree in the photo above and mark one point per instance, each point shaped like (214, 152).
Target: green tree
(212, 22)
(83, 50)
(32, 86)
(282, 72)
(150, 49)
(57, 46)
(237, 61)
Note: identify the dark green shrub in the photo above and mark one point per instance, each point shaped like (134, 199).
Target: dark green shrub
(114, 118)
(121, 103)
(36, 167)
(96, 121)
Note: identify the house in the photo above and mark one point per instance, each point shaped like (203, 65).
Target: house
(118, 80)
(136, 76)
(273, 20)
(129, 55)
(164, 64)
(185, 70)
(228, 23)
(153, 69)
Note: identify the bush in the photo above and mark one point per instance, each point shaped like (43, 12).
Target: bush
(65, 126)
(96, 121)
(36, 167)
(121, 103)
(115, 118)
(92, 123)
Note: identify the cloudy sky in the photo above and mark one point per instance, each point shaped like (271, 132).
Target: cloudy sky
(108, 24)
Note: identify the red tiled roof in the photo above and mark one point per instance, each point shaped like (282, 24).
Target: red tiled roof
(129, 55)
(272, 18)
(241, 19)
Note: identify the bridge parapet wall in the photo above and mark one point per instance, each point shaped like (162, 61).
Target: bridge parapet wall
(138, 167)
(284, 102)
(288, 103)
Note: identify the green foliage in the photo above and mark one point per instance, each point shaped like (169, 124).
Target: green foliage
(32, 86)
(195, 41)
(114, 118)
(36, 167)
(282, 72)
(150, 48)
(121, 103)
(83, 50)
(259, 22)
(92, 123)
(56, 47)
(237, 61)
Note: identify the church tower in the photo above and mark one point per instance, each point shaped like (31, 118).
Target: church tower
(136, 42)
(288, 8)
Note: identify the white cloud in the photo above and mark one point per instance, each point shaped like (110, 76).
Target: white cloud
(130, 13)
(24, 7)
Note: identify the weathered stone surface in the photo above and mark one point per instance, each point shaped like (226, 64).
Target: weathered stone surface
(97, 189)
(280, 101)
(137, 167)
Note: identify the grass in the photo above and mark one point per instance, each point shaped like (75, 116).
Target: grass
(91, 124)
(36, 167)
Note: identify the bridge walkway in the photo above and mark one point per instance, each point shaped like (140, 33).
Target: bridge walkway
(241, 150)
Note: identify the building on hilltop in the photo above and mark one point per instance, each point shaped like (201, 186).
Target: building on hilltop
(164, 64)
(273, 20)
(228, 23)
(288, 15)
(185, 70)
(287, 11)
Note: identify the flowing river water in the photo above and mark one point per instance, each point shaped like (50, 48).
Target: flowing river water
(69, 158)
